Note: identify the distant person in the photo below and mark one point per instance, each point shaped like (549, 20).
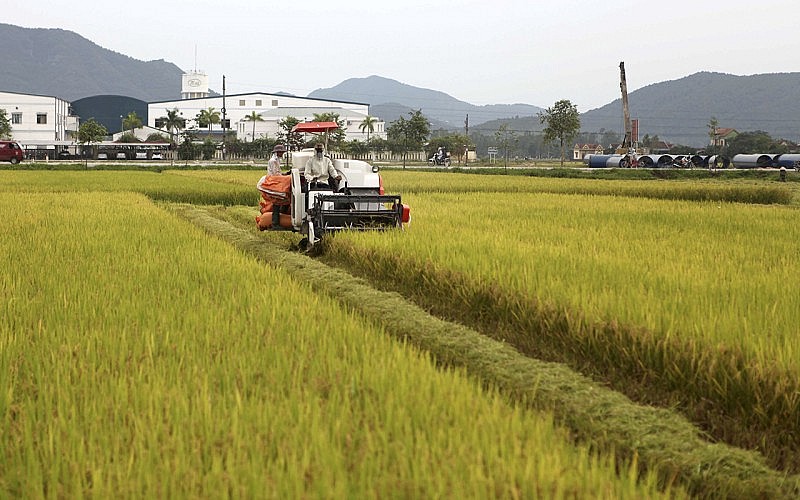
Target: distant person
(318, 168)
(726, 162)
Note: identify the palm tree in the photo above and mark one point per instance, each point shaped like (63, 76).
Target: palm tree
(131, 121)
(254, 117)
(207, 118)
(174, 123)
(369, 125)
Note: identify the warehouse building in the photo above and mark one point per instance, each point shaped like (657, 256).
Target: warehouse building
(38, 118)
(271, 108)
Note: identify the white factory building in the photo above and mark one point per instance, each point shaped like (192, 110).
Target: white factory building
(38, 119)
(270, 107)
(46, 122)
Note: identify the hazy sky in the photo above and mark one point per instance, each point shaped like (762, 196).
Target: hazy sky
(482, 52)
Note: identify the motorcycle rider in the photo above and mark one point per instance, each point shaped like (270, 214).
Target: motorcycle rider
(440, 155)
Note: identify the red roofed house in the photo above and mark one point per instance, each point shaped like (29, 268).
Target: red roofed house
(580, 151)
(723, 135)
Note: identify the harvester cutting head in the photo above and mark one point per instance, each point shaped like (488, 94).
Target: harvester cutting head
(360, 212)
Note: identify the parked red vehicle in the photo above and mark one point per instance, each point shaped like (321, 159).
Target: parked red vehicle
(11, 151)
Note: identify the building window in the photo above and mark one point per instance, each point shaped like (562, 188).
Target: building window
(41, 118)
(275, 102)
(258, 102)
(241, 102)
(16, 118)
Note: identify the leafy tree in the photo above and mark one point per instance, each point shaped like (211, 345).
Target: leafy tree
(609, 137)
(419, 129)
(208, 148)
(206, 118)
(506, 141)
(156, 137)
(378, 145)
(260, 148)
(91, 132)
(292, 140)
(753, 143)
(254, 117)
(188, 150)
(398, 137)
(454, 143)
(128, 137)
(562, 122)
(650, 141)
(408, 134)
(355, 148)
(132, 121)
(397, 134)
(5, 125)
(335, 137)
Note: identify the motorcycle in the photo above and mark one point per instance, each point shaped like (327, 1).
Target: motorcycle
(440, 161)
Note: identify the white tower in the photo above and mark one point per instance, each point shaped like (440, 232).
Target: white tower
(194, 84)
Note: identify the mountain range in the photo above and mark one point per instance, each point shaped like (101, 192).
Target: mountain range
(64, 64)
(391, 99)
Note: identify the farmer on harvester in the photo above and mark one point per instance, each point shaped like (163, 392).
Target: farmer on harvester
(318, 168)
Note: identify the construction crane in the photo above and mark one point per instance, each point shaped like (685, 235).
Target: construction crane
(626, 114)
(627, 143)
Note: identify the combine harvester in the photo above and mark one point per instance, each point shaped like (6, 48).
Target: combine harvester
(358, 203)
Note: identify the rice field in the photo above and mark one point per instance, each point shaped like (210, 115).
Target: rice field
(707, 190)
(716, 273)
(141, 357)
(678, 293)
(693, 299)
(407, 182)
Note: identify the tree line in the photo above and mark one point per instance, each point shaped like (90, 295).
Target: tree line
(404, 135)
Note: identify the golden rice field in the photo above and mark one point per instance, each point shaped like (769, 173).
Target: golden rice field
(678, 293)
(696, 299)
(142, 357)
(717, 273)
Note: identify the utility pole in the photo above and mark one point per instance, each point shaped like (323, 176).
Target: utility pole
(466, 134)
(224, 121)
